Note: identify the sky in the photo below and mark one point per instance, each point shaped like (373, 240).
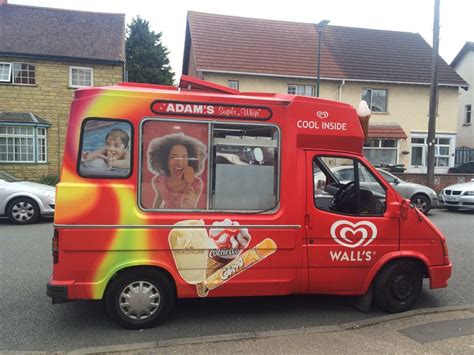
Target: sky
(169, 17)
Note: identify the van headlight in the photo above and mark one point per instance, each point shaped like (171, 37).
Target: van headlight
(468, 193)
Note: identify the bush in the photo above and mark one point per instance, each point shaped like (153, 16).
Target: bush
(50, 179)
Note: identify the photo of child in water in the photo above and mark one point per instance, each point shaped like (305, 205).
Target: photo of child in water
(177, 160)
(106, 149)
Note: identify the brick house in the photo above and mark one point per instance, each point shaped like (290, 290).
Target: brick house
(46, 54)
(389, 69)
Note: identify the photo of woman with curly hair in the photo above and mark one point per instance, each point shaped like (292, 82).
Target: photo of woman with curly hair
(177, 160)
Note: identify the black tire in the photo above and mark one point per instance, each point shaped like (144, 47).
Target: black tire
(422, 202)
(149, 282)
(398, 286)
(23, 210)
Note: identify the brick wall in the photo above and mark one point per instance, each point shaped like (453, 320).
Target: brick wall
(441, 180)
(50, 99)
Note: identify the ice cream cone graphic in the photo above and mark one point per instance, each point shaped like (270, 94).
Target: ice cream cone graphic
(244, 261)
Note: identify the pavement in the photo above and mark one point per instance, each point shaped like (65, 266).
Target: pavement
(445, 330)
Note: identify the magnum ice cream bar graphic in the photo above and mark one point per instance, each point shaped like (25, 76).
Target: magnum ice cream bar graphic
(190, 248)
(209, 260)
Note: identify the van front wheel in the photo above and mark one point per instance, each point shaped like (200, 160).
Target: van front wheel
(398, 286)
(139, 299)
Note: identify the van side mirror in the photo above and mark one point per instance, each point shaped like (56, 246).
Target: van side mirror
(396, 181)
(404, 207)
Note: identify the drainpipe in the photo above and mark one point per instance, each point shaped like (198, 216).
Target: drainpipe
(343, 82)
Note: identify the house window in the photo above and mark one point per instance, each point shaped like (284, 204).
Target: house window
(376, 99)
(23, 73)
(80, 76)
(444, 149)
(467, 114)
(42, 151)
(23, 144)
(381, 151)
(234, 84)
(5, 72)
(304, 90)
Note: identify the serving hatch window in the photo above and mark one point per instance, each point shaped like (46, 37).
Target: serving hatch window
(208, 166)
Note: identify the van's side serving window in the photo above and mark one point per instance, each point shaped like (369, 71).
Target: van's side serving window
(244, 167)
(344, 185)
(208, 166)
(105, 150)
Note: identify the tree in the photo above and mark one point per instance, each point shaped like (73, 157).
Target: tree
(147, 58)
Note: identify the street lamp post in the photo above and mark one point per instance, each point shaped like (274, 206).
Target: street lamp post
(319, 28)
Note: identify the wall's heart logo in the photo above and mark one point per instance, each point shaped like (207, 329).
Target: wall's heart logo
(322, 114)
(352, 235)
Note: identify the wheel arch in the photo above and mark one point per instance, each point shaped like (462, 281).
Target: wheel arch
(14, 196)
(136, 267)
(391, 258)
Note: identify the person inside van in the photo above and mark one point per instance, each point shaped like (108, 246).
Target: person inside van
(177, 160)
(115, 153)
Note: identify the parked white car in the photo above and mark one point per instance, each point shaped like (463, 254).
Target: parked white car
(458, 196)
(23, 202)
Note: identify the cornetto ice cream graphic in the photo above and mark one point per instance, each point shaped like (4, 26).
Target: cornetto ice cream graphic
(353, 235)
(210, 259)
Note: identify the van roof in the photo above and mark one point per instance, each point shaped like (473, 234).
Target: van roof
(314, 121)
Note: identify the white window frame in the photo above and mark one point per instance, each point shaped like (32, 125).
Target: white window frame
(91, 70)
(41, 141)
(467, 115)
(397, 146)
(307, 89)
(13, 73)
(9, 72)
(424, 154)
(233, 84)
(371, 94)
(35, 138)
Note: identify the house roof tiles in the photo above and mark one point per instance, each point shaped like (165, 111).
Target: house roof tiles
(47, 32)
(22, 117)
(267, 47)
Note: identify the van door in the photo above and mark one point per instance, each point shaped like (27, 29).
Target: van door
(347, 225)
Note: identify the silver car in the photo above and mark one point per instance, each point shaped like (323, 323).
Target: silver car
(24, 202)
(458, 196)
(422, 197)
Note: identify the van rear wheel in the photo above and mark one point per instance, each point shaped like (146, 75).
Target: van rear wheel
(398, 286)
(139, 299)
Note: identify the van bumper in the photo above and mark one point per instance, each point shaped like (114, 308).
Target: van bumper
(439, 275)
(58, 291)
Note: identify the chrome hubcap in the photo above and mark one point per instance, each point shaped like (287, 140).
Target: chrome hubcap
(23, 211)
(139, 300)
(420, 204)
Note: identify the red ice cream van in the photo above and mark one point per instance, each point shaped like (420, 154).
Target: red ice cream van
(204, 191)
